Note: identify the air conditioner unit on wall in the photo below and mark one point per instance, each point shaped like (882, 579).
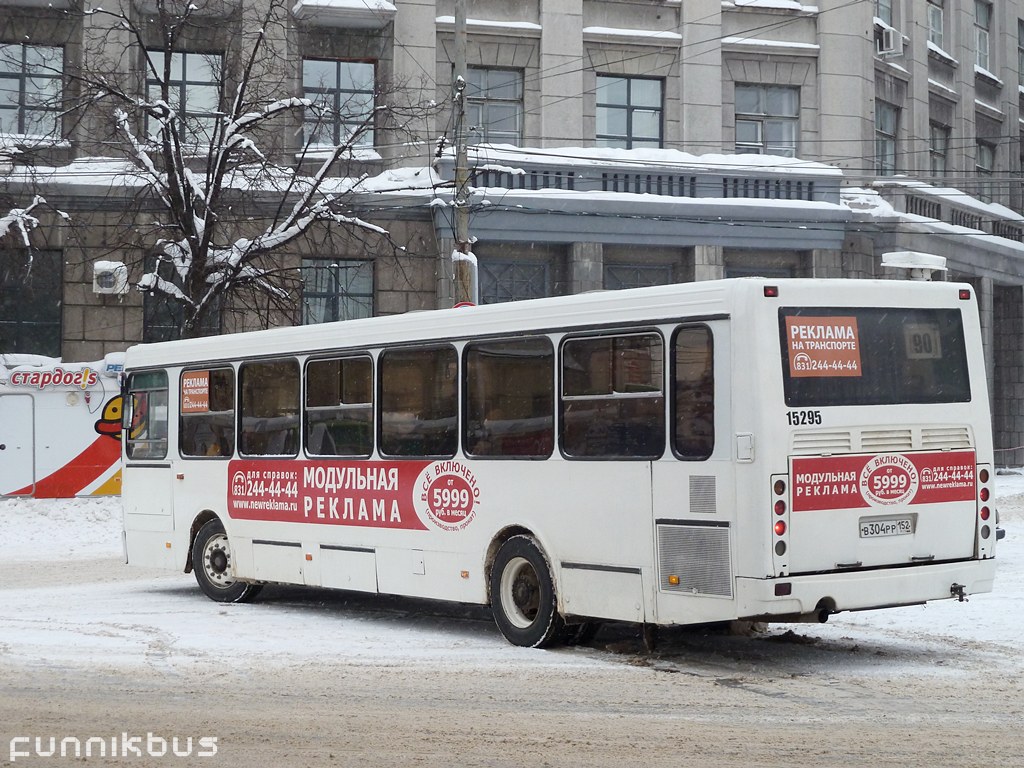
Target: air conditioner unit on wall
(109, 277)
(890, 43)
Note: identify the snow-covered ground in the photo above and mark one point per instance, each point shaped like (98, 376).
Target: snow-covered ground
(78, 607)
(93, 651)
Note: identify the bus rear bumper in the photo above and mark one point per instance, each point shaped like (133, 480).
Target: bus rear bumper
(819, 595)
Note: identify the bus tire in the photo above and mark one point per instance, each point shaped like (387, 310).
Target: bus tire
(211, 563)
(523, 595)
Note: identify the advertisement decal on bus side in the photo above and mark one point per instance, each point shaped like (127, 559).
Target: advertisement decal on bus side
(402, 495)
(884, 480)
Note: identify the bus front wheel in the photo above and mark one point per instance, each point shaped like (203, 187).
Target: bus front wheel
(211, 563)
(523, 595)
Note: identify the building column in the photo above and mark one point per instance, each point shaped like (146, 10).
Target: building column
(561, 54)
(586, 267)
(826, 262)
(700, 76)
(708, 262)
(445, 273)
(1007, 353)
(107, 51)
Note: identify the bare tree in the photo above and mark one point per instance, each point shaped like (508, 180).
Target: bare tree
(219, 189)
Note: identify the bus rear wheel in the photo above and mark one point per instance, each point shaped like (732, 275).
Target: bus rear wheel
(523, 595)
(211, 563)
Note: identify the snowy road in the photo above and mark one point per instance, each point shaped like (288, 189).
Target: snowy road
(136, 659)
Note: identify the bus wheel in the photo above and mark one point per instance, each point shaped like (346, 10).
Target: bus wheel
(523, 595)
(211, 563)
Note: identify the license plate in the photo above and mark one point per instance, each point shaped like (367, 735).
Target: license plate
(890, 526)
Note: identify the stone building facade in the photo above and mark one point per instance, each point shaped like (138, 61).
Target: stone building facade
(877, 126)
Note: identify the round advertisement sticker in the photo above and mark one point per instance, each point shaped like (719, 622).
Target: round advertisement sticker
(447, 495)
(888, 480)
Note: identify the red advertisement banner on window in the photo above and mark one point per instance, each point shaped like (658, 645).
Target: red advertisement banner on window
(884, 480)
(823, 346)
(195, 392)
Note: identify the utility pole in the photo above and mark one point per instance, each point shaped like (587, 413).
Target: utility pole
(464, 263)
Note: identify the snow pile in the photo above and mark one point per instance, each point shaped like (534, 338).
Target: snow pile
(60, 529)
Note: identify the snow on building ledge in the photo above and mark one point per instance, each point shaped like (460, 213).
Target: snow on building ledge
(483, 26)
(643, 36)
(199, 8)
(350, 14)
(60, 5)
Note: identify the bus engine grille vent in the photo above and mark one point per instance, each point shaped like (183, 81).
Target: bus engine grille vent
(886, 440)
(811, 443)
(945, 437)
(697, 556)
(702, 494)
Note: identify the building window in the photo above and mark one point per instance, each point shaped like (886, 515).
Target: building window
(162, 316)
(936, 28)
(767, 119)
(494, 105)
(883, 10)
(938, 148)
(194, 84)
(336, 289)
(1020, 52)
(343, 92)
(619, 276)
(513, 281)
(30, 301)
(30, 89)
(982, 29)
(628, 112)
(984, 165)
(886, 125)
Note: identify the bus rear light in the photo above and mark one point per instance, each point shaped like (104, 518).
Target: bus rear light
(985, 532)
(983, 475)
(780, 527)
(985, 513)
(673, 580)
(783, 589)
(965, 294)
(780, 507)
(984, 494)
(771, 291)
(779, 487)
(780, 548)
(309, 558)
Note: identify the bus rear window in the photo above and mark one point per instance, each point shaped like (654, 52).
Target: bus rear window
(872, 356)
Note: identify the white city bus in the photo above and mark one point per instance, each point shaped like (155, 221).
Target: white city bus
(736, 449)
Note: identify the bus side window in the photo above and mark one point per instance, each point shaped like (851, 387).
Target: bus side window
(693, 421)
(207, 407)
(145, 417)
(509, 395)
(269, 402)
(613, 403)
(339, 407)
(418, 402)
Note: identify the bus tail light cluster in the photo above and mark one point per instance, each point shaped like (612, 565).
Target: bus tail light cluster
(985, 501)
(780, 515)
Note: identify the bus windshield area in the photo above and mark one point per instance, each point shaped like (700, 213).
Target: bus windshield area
(872, 356)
